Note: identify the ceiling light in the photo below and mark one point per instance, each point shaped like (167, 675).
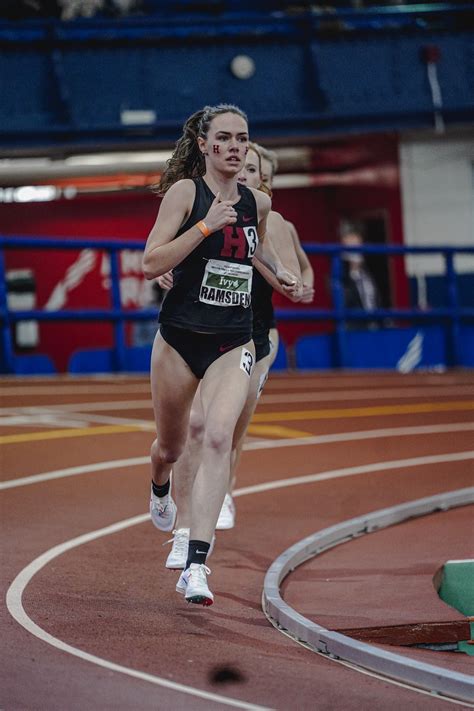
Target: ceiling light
(242, 66)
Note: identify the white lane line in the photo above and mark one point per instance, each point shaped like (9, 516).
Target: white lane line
(103, 419)
(43, 419)
(117, 384)
(366, 394)
(314, 394)
(149, 425)
(341, 382)
(16, 609)
(114, 405)
(76, 389)
(74, 471)
(363, 434)
(265, 444)
(18, 586)
(352, 471)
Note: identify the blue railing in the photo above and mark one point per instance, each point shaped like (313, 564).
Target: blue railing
(452, 314)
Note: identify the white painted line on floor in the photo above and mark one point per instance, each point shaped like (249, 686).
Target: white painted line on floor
(326, 380)
(363, 434)
(43, 419)
(94, 406)
(352, 471)
(394, 393)
(16, 609)
(18, 586)
(323, 383)
(74, 471)
(266, 444)
(75, 389)
(87, 417)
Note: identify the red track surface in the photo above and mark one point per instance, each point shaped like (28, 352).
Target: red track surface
(112, 597)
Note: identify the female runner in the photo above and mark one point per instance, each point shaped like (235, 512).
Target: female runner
(207, 230)
(185, 468)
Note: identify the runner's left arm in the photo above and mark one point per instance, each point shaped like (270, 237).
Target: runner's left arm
(307, 272)
(265, 251)
(279, 236)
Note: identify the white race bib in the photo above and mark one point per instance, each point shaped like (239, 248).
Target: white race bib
(226, 284)
(247, 361)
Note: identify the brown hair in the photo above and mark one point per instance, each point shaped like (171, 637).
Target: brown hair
(187, 160)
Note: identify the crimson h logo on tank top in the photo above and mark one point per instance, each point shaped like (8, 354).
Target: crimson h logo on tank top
(234, 242)
(236, 239)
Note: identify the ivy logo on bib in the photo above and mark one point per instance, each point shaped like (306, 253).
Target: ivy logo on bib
(226, 284)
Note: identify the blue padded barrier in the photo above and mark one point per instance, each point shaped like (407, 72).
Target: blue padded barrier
(314, 352)
(402, 349)
(34, 364)
(94, 360)
(281, 360)
(467, 350)
(136, 359)
(101, 360)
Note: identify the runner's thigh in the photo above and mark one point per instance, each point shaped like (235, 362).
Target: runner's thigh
(225, 385)
(258, 374)
(173, 386)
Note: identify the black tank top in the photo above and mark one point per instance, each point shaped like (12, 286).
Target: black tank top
(212, 286)
(262, 306)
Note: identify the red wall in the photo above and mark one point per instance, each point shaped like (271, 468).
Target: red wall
(316, 213)
(124, 216)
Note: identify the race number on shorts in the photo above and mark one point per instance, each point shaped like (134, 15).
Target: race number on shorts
(246, 361)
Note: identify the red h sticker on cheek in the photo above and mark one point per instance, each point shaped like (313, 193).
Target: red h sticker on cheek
(215, 148)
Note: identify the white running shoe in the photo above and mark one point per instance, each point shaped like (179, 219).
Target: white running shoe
(227, 515)
(192, 584)
(178, 554)
(163, 512)
(177, 557)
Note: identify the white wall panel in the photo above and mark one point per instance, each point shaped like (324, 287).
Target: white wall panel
(437, 184)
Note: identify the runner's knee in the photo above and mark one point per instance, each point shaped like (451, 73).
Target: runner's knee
(196, 426)
(219, 440)
(165, 454)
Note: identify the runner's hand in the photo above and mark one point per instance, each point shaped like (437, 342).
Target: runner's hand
(220, 214)
(165, 280)
(308, 294)
(290, 284)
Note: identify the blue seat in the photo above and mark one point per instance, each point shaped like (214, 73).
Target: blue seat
(94, 360)
(102, 360)
(34, 364)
